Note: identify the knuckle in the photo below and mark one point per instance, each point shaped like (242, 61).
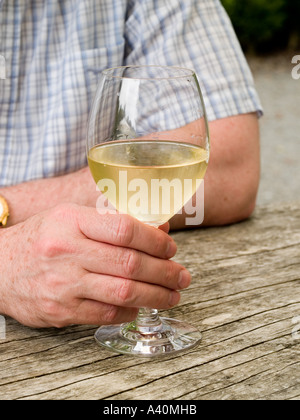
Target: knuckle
(125, 292)
(55, 315)
(159, 243)
(124, 230)
(46, 230)
(169, 273)
(110, 316)
(54, 301)
(50, 247)
(50, 309)
(131, 263)
(50, 241)
(61, 323)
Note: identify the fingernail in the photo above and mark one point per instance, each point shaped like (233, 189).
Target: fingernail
(174, 298)
(184, 279)
(171, 249)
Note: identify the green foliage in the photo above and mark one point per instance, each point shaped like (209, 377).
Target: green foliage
(264, 25)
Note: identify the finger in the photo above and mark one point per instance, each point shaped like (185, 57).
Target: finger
(125, 231)
(98, 313)
(131, 264)
(122, 292)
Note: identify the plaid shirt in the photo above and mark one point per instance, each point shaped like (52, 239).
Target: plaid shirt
(54, 51)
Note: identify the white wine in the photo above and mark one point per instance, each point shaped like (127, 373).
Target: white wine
(149, 179)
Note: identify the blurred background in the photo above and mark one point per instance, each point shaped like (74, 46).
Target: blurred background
(269, 33)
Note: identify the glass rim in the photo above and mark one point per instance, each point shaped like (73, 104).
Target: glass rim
(189, 72)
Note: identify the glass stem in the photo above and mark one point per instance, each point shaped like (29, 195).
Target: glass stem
(148, 321)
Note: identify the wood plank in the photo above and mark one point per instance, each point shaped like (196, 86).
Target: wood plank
(245, 297)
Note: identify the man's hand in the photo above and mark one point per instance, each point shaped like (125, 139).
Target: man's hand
(70, 265)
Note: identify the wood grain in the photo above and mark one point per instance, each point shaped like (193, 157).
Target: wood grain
(245, 298)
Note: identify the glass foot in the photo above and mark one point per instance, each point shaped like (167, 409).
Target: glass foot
(171, 336)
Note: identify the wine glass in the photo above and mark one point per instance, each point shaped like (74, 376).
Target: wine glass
(148, 149)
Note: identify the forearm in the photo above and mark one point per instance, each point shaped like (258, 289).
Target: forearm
(232, 178)
(32, 197)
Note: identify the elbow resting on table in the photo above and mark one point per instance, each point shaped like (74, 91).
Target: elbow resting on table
(234, 199)
(234, 210)
(233, 174)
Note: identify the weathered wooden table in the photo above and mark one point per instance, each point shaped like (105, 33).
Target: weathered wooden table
(245, 298)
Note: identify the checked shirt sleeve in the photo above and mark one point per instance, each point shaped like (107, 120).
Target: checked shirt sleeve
(196, 34)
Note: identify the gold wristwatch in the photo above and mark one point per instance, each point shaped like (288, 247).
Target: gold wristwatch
(4, 211)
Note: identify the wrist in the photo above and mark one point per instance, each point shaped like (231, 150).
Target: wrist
(29, 198)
